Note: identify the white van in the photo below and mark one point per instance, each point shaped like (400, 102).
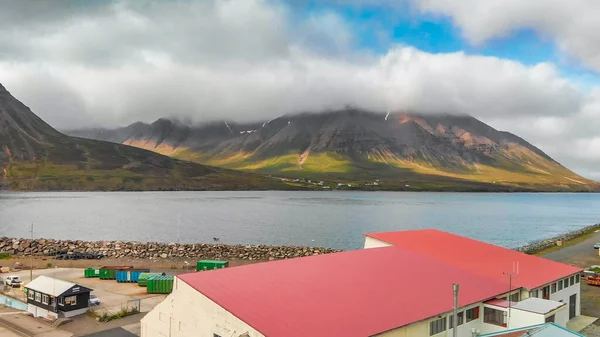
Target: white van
(13, 281)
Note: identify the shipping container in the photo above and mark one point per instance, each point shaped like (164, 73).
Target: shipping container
(91, 272)
(160, 284)
(210, 265)
(143, 278)
(130, 275)
(110, 272)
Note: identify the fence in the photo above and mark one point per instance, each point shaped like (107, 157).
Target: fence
(129, 307)
(13, 303)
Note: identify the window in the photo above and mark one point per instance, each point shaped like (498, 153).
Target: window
(215, 335)
(572, 280)
(546, 292)
(38, 297)
(71, 300)
(437, 326)
(61, 301)
(566, 282)
(533, 293)
(30, 294)
(514, 297)
(461, 319)
(45, 299)
(182, 327)
(560, 285)
(577, 278)
(493, 316)
(553, 288)
(472, 314)
(550, 319)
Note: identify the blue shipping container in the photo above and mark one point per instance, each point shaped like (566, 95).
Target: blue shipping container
(130, 275)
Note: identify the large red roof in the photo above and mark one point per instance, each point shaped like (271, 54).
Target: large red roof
(353, 293)
(479, 257)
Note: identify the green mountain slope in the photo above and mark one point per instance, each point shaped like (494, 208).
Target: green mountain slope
(402, 151)
(34, 156)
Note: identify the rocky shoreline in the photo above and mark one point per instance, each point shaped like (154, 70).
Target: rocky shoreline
(540, 245)
(155, 250)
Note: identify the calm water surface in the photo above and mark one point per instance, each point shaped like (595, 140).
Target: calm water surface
(330, 219)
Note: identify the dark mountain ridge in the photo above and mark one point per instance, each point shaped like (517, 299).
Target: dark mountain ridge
(35, 156)
(358, 145)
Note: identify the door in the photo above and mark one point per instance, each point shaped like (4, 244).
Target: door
(572, 305)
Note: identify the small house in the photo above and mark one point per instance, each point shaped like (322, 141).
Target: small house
(51, 297)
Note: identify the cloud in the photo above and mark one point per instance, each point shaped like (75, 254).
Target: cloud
(122, 61)
(573, 25)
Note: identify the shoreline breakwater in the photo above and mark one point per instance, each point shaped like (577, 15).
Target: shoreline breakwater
(155, 250)
(537, 246)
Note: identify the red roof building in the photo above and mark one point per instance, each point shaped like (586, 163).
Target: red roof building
(404, 289)
(482, 258)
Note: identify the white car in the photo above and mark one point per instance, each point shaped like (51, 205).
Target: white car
(597, 245)
(94, 300)
(13, 281)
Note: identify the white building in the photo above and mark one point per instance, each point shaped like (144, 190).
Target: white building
(400, 286)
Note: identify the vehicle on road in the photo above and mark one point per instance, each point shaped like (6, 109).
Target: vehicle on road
(597, 245)
(94, 300)
(13, 281)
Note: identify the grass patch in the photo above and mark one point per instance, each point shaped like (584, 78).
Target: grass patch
(4, 256)
(105, 317)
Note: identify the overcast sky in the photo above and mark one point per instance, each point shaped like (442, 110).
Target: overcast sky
(529, 67)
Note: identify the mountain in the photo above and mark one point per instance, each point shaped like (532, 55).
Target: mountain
(394, 151)
(34, 156)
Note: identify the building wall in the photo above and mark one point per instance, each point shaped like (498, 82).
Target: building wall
(422, 328)
(374, 243)
(521, 318)
(562, 296)
(174, 318)
(36, 311)
(83, 302)
(562, 316)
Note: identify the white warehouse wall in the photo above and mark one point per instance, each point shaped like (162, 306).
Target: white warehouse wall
(173, 317)
(422, 328)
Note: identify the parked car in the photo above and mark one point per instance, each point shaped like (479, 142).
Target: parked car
(13, 281)
(94, 300)
(597, 245)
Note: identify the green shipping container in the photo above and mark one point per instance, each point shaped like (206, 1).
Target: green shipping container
(210, 265)
(110, 272)
(143, 279)
(160, 284)
(91, 272)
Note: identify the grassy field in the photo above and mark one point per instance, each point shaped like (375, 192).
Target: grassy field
(533, 174)
(43, 176)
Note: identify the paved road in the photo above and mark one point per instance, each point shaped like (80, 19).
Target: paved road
(7, 333)
(581, 254)
(116, 332)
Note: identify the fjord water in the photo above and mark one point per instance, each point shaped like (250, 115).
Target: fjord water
(328, 219)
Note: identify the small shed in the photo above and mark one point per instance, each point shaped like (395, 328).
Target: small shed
(51, 297)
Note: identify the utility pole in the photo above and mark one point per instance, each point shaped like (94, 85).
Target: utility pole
(31, 255)
(510, 277)
(455, 311)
